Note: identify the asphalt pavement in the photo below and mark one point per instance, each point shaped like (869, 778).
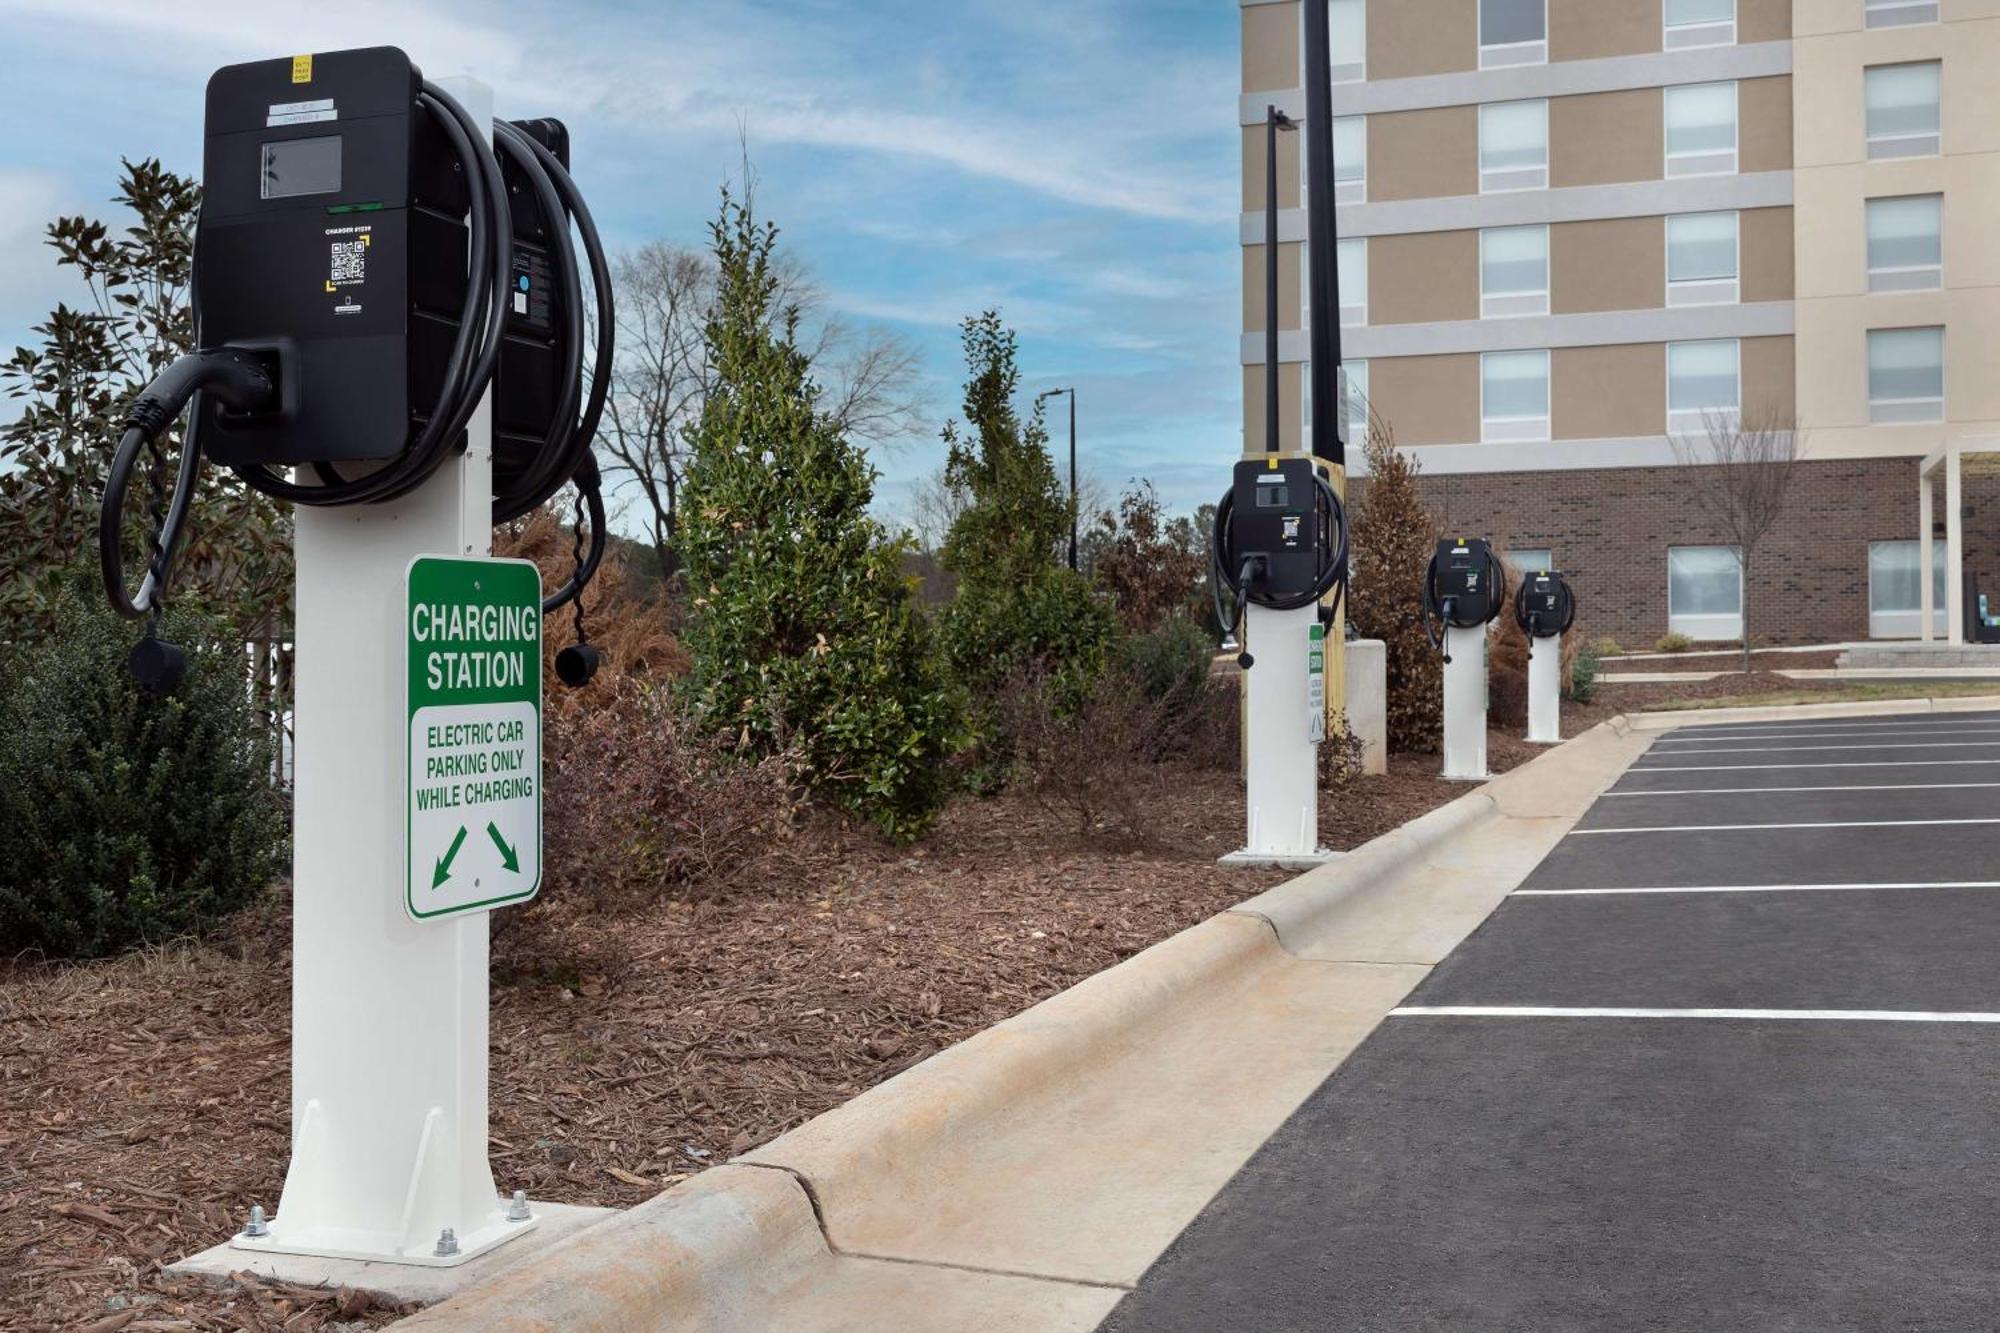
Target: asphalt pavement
(1729, 1058)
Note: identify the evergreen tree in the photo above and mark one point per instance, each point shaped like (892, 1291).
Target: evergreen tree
(1020, 611)
(804, 631)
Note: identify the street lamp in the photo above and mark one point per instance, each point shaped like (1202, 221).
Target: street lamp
(1039, 398)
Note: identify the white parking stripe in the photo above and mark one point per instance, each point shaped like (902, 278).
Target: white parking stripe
(1810, 823)
(1857, 763)
(1761, 888)
(1829, 735)
(1747, 791)
(1771, 728)
(1809, 749)
(1810, 1015)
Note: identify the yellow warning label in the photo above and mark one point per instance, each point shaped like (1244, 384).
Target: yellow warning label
(302, 69)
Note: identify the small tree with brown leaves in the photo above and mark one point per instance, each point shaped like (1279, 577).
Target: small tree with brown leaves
(1737, 475)
(1394, 539)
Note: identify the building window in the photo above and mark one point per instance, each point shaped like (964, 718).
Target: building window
(1347, 34)
(1895, 590)
(1513, 146)
(1905, 375)
(1357, 403)
(1905, 249)
(1513, 32)
(1896, 13)
(1705, 592)
(1701, 129)
(1513, 396)
(1530, 561)
(1702, 259)
(1513, 271)
(1350, 159)
(1698, 23)
(1704, 386)
(1902, 105)
(1351, 272)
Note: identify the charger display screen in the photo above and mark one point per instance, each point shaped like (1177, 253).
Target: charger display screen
(1274, 497)
(292, 167)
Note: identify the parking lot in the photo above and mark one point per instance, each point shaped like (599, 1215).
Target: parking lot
(1728, 1058)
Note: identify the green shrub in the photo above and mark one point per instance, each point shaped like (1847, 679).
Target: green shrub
(1674, 642)
(805, 634)
(126, 818)
(1606, 646)
(1174, 659)
(1582, 685)
(1020, 613)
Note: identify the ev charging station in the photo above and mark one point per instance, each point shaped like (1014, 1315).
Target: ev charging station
(1545, 609)
(1464, 591)
(1279, 543)
(391, 337)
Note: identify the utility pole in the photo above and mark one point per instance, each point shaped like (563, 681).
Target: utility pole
(1039, 398)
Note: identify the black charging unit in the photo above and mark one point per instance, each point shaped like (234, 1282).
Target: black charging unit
(368, 262)
(1279, 540)
(1545, 605)
(1465, 587)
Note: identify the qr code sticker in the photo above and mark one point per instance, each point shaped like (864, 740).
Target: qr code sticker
(350, 262)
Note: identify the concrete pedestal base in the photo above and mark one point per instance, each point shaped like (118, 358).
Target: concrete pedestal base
(396, 1282)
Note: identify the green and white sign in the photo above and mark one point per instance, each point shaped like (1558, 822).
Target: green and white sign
(1316, 683)
(474, 799)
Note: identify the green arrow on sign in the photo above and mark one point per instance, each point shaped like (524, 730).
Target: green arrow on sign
(442, 872)
(507, 856)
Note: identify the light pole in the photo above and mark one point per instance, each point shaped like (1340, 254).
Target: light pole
(1051, 393)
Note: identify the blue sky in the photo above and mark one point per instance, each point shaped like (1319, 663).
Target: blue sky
(1071, 161)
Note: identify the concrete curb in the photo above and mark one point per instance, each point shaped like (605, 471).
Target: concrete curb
(1695, 717)
(860, 1184)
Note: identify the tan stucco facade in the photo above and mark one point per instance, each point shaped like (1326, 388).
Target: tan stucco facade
(1764, 124)
(1291, 406)
(1409, 38)
(1592, 29)
(1291, 286)
(1428, 399)
(1604, 138)
(1832, 181)
(1764, 253)
(1271, 36)
(1607, 264)
(1289, 162)
(1423, 154)
(1422, 277)
(1608, 392)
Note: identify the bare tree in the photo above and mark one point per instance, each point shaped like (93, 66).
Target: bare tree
(869, 377)
(1738, 473)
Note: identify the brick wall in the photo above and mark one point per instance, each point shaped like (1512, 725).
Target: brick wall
(1610, 530)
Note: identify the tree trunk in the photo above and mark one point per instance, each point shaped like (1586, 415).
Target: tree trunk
(1743, 604)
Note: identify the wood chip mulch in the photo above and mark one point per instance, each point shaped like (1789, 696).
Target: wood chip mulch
(144, 1100)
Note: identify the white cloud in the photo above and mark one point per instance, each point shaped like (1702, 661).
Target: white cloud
(30, 282)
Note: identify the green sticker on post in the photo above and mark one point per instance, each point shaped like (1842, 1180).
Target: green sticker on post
(474, 791)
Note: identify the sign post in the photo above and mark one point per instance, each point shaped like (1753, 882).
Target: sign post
(389, 1014)
(473, 808)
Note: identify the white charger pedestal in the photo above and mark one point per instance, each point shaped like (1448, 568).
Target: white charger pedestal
(389, 1014)
(1545, 690)
(1465, 704)
(1282, 722)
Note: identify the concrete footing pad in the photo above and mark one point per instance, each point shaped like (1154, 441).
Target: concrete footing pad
(1027, 1177)
(1290, 861)
(554, 1222)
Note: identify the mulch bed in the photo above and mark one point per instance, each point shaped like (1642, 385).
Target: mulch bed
(143, 1100)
